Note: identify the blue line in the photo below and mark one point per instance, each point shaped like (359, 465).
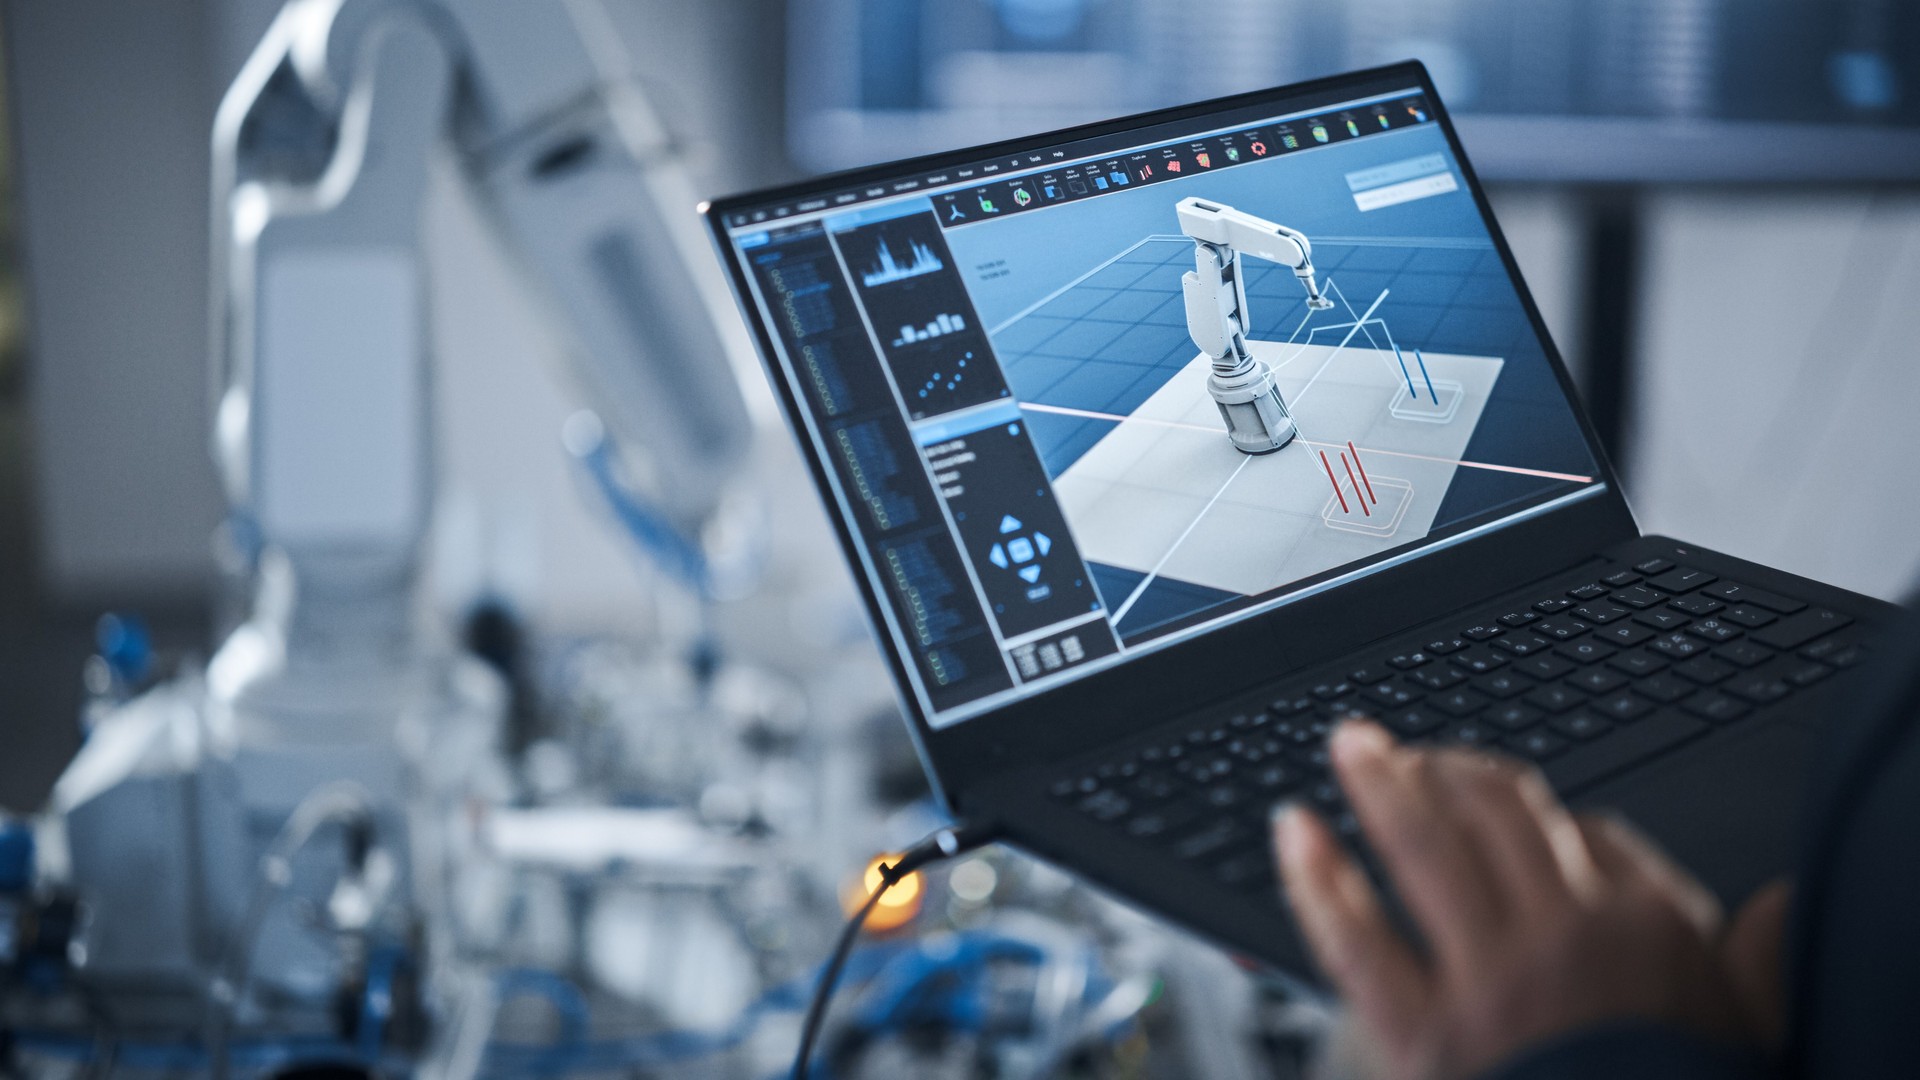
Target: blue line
(1424, 375)
(1403, 372)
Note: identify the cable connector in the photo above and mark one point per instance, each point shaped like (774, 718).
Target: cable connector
(946, 843)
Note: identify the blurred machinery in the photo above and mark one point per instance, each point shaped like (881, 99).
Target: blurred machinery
(347, 840)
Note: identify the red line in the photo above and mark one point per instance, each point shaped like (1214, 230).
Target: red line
(1363, 474)
(1356, 486)
(1337, 493)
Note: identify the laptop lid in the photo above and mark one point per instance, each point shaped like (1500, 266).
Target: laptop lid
(989, 362)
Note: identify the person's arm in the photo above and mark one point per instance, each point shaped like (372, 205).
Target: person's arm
(1555, 945)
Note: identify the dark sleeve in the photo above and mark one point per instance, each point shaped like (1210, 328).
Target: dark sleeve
(1640, 1051)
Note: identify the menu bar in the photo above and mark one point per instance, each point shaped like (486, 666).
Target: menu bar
(995, 188)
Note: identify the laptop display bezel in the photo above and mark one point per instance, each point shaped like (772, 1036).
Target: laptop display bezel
(1147, 690)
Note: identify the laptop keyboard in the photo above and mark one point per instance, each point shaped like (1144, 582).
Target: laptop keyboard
(1586, 679)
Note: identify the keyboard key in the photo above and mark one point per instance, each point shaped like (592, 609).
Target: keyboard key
(1621, 707)
(1556, 699)
(1759, 689)
(1637, 664)
(1367, 676)
(1714, 630)
(1750, 617)
(1479, 661)
(1521, 644)
(1600, 614)
(1446, 646)
(1392, 695)
(1274, 778)
(1470, 734)
(1407, 661)
(1681, 579)
(1590, 591)
(1106, 806)
(1553, 606)
(1290, 706)
(1560, 629)
(1502, 684)
(1620, 579)
(1514, 716)
(1662, 620)
(1328, 691)
(1704, 670)
(1438, 677)
(1664, 688)
(1161, 822)
(1459, 703)
(1744, 653)
(1677, 646)
(1481, 632)
(1581, 726)
(1544, 667)
(1848, 656)
(1596, 680)
(1809, 673)
(1623, 747)
(1536, 745)
(1797, 630)
(1715, 706)
(1734, 593)
(1063, 788)
(1696, 605)
(1211, 839)
(1518, 619)
(1653, 566)
(1224, 796)
(1638, 597)
(1586, 652)
(1417, 721)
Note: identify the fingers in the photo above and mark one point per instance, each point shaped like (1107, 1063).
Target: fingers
(1345, 926)
(1436, 869)
(1751, 954)
(1623, 854)
(1529, 840)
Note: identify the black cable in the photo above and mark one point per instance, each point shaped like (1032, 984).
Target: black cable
(943, 844)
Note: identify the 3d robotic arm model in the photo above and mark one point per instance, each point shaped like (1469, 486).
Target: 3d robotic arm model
(1257, 419)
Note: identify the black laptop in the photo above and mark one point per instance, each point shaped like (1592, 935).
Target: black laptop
(1158, 445)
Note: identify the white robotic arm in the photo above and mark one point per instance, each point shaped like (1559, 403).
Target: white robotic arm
(1216, 299)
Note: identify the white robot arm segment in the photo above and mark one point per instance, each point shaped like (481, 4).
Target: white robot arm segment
(1216, 302)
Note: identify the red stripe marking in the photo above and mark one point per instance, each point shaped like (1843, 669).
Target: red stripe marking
(1363, 474)
(1337, 493)
(1356, 485)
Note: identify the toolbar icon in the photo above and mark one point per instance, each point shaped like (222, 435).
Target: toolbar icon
(953, 212)
(987, 207)
(1174, 165)
(1022, 196)
(1100, 183)
(1119, 178)
(1233, 154)
(1353, 129)
(1290, 142)
(1419, 115)
(1382, 117)
(1319, 133)
(1258, 149)
(1076, 187)
(1052, 191)
(1146, 171)
(1205, 159)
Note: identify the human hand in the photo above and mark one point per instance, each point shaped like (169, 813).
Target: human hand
(1536, 922)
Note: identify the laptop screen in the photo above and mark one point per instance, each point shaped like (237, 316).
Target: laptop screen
(1020, 375)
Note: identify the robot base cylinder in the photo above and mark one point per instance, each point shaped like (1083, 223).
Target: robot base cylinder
(1256, 417)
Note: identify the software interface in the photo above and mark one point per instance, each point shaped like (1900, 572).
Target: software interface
(997, 365)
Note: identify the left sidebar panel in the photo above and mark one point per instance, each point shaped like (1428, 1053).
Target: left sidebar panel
(871, 452)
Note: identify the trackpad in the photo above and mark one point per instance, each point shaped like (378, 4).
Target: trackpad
(1729, 810)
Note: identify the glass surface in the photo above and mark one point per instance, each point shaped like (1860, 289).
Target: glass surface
(998, 367)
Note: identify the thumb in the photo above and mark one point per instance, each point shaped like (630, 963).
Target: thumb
(1751, 955)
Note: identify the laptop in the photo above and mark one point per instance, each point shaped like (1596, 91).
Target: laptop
(1156, 446)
